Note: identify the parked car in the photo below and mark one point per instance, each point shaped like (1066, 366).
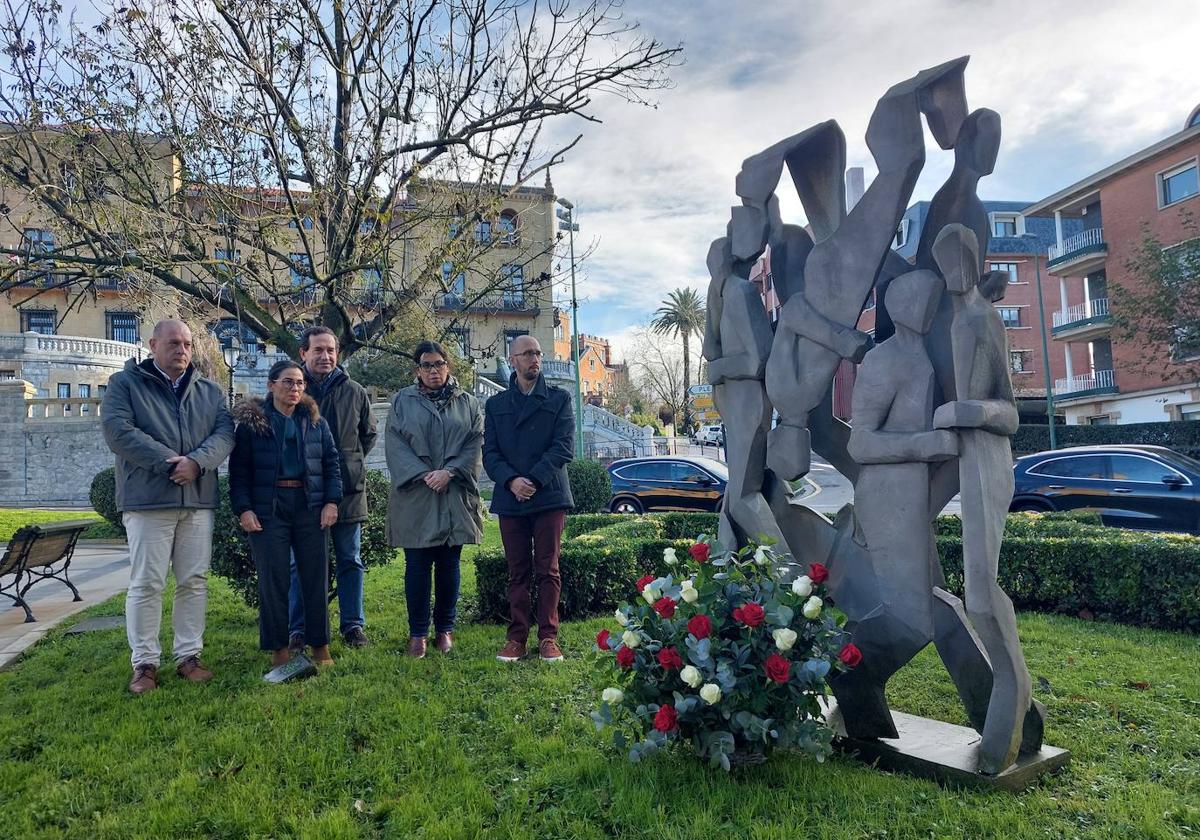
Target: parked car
(709, 434)
(1145, 487)
(667, 482)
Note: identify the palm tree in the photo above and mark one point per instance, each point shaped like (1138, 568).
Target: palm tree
(681, 314)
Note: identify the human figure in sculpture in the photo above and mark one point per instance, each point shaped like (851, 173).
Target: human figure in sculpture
(984, 415)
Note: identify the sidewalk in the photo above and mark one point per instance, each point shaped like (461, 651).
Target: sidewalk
(97, 572)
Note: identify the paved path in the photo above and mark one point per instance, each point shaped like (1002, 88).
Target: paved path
(97, 572)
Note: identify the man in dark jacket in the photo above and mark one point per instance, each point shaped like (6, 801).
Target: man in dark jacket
(346, 407)
(170, 429)
(528, 438)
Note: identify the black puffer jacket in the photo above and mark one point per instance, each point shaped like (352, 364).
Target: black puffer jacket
(258, 452)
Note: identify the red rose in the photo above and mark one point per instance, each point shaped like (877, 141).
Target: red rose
(625, 657)
(643, 580)
(700, 626)
(777, 668)
(850, 655)
(750, 614)
(817, 572)
(602, 639)
(665, 607)
(699, 552)
(670, 659)
(666, 720)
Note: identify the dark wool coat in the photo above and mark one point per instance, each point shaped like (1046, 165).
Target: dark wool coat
(258, 454)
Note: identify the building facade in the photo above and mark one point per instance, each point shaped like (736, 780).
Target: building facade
(1100, 223)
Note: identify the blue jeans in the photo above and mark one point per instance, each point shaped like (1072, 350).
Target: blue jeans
(347, 544)
(419, 563)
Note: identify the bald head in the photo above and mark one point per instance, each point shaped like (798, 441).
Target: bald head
(171, 346)
(525, 356)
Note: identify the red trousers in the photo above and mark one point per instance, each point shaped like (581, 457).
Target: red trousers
(531, 545)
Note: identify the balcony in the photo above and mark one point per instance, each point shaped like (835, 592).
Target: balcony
(514, 302)
(1083, 322)
(1094, 384)
(1078, 254)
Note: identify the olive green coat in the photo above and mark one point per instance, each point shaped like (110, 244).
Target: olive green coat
(419, 439)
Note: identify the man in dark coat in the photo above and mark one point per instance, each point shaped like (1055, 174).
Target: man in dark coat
(528, 438)
(346, 407)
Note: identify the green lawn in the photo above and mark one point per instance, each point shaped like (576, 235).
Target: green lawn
(383, 746)
(13, 518)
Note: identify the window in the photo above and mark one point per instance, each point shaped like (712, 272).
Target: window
(1010, 315)
(1018, 361)
(12, 374)
(100, 389)
(462, 340)
(456, 284)
(85, 391)
(559, 332)
(483, 232)
(1178, 184)
(513, 279)
(591, 364)
(121, 326)
(1186, 346)
(508, 228)
(227, 258)
(901, 234)
(659, 471)
(1004, 226)
(1011, 268)
(1190, 411)
(64, 390)
(1138, 469)
(306, 221)
(37, 241)
(39, 321)
(1099, 420)
(300, 272)
(1083, 466)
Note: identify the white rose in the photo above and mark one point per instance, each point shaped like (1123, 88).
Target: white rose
(691, 675)
(631, 639)
(612, 696)
(688, 592)
(760, 556)
(784, 638)
(669, 556)
(802, 586)
(650, 594)
(710, 693)
(622, 619)
(812, 607)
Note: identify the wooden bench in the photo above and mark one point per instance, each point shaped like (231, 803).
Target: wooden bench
(36, 553)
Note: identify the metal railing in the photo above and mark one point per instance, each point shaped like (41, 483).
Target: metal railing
(1095, 308)
(1088, 240)
(1094, 381)
(499, 302)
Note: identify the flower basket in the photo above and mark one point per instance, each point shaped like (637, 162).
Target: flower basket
(722, 654)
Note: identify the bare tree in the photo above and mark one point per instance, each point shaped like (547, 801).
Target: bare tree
(349, 147)
(657, 369)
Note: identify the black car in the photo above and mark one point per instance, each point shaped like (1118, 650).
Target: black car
(667, 482)
(1146, 487)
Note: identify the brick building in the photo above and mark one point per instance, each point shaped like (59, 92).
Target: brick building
(599, 375)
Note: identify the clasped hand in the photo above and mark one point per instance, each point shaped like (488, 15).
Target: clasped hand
(185, 470)
(437, 480)
(522, 488)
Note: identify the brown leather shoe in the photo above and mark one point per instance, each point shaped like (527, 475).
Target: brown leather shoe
(444, 642)
(193, 670)
(549, 650)
(416, 647)
(145, 678)
(512, 651)
(321, 655)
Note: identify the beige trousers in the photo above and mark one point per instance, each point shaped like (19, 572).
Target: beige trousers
(179, 539)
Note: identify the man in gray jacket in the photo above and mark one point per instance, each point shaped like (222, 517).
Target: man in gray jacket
(170, 429)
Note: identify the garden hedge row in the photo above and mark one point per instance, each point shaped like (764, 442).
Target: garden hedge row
(1180, 436)
(1053, 562)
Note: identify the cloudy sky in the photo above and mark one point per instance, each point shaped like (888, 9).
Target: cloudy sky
(1078, 85)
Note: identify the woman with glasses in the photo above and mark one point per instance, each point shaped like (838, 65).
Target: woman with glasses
(285, 482)
(434, 445)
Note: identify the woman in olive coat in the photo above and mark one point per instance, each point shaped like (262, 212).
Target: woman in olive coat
(434, 445)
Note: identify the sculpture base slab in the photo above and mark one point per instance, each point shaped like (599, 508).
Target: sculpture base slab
(941, 751)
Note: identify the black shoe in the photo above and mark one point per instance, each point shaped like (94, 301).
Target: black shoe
(356, 638)
(295, 643)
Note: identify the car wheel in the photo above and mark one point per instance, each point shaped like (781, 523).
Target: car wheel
(1030, 506)
(626, 504)
(716, 508)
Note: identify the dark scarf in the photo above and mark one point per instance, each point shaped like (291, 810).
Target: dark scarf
(440, 396)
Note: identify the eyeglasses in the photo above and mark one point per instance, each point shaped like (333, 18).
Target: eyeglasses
(530, 355)
(290, 384)
(428, 366)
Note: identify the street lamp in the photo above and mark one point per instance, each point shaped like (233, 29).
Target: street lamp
(567, 220)
(232, 354)
(1036, 250)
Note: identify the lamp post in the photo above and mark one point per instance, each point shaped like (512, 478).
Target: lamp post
(1037, 251)
(232, 354)
(567, 219)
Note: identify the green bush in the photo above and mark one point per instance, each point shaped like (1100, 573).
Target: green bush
(103, 496)
(1182, 437)
(231, 557)
(591, 485)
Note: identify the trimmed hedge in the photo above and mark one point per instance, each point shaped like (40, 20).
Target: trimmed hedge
(591, 485)
(103, 496)
(1181, 436)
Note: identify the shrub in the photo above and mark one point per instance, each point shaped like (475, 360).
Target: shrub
(1182, 437)
(103, 496)
(231, 557)
(591, 485)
